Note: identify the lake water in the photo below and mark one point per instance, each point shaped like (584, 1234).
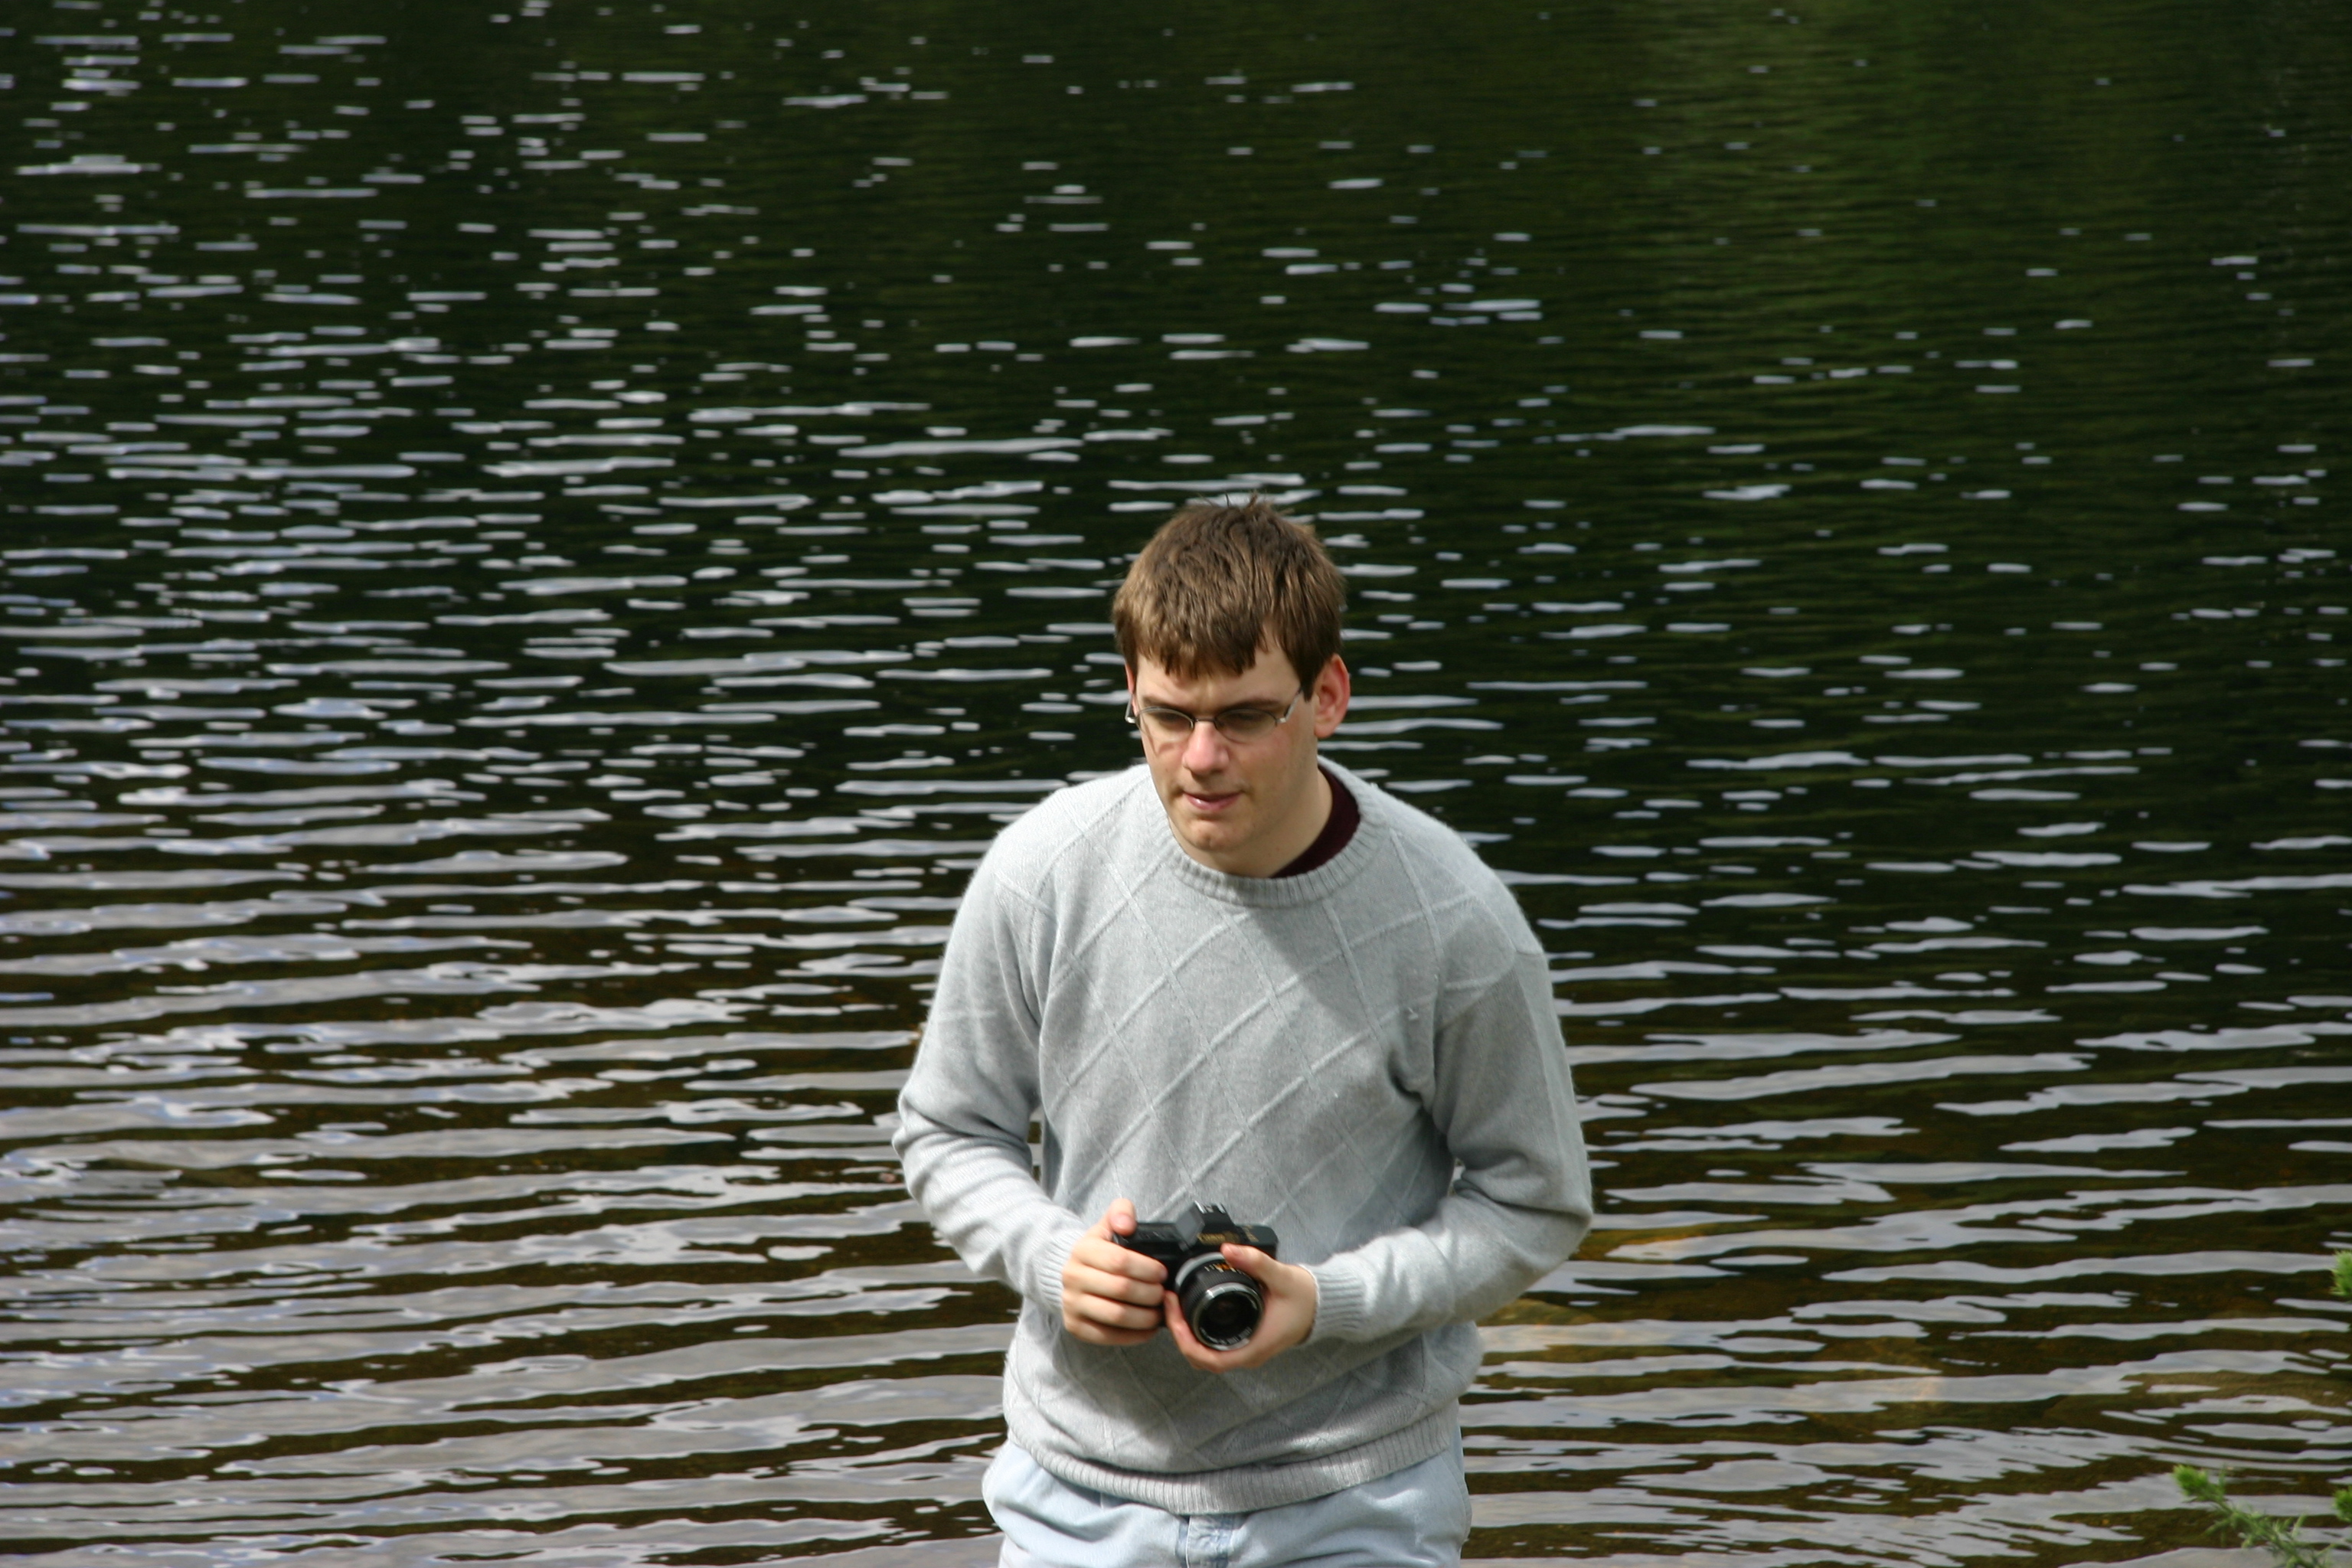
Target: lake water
(540, 545)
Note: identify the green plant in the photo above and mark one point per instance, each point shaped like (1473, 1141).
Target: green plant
(2343, 1273)
(2283, 1537)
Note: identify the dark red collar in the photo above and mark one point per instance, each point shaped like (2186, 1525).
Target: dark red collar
(1338, 829)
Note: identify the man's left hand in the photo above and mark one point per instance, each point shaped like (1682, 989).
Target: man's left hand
(1288, 1318)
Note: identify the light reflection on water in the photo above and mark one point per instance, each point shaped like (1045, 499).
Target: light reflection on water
(540, 548)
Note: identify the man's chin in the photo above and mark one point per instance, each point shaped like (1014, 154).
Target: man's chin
(1215, 828)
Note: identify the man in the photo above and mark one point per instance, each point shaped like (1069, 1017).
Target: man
(1240, 975)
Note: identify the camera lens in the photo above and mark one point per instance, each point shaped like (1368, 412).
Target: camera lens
(1222, 1304)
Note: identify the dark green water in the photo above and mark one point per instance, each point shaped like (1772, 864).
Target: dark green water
(540, 545)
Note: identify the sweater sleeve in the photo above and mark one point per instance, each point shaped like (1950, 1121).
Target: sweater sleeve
(1502, 1096)
(964, 1114)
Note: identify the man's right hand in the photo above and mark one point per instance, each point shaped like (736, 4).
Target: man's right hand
(1111, 1296)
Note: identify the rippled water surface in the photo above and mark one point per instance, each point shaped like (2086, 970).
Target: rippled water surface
(540, 545)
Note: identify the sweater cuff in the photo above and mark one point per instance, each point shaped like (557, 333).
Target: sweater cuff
(1046, 1281)
(1340, 1303)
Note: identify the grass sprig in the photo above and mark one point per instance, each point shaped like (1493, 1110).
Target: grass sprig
(2282, 1538)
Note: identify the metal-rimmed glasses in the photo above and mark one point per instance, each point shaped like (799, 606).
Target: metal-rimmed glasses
(1238, 726)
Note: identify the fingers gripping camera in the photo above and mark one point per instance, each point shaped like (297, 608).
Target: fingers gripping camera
(1220, 1303)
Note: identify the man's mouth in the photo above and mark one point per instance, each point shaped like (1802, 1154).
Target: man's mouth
(1209, 804)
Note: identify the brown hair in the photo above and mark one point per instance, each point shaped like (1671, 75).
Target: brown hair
(1218, 583)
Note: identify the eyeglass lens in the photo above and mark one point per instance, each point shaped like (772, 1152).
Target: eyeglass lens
(1234, 723)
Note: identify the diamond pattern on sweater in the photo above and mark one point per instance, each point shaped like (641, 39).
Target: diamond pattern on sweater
(1314, 1052)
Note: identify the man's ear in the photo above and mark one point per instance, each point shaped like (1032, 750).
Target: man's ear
(1333, 687)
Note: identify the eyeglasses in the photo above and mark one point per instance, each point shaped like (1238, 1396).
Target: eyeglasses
(1239, 726)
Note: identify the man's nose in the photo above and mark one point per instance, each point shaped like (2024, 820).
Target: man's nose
(1204, 748)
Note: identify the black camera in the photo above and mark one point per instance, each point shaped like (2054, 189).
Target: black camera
(1220, 1303)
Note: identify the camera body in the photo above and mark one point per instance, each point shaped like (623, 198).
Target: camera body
(1220, 1303)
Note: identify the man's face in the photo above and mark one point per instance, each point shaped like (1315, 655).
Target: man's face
(1247, 809)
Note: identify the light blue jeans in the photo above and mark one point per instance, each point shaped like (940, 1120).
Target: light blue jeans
(1416, 1517)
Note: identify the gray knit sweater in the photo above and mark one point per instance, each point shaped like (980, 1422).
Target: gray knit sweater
(1364, 1057)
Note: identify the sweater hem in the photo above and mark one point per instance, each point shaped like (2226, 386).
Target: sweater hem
(1246, 1489)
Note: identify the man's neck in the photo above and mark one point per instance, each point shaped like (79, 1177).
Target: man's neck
(1338, 829)
(1269, 856)
(1306, 830)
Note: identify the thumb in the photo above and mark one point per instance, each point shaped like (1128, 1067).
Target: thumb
(1119, 1220)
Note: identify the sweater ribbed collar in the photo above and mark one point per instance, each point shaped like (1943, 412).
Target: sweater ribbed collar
(1267, 892)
